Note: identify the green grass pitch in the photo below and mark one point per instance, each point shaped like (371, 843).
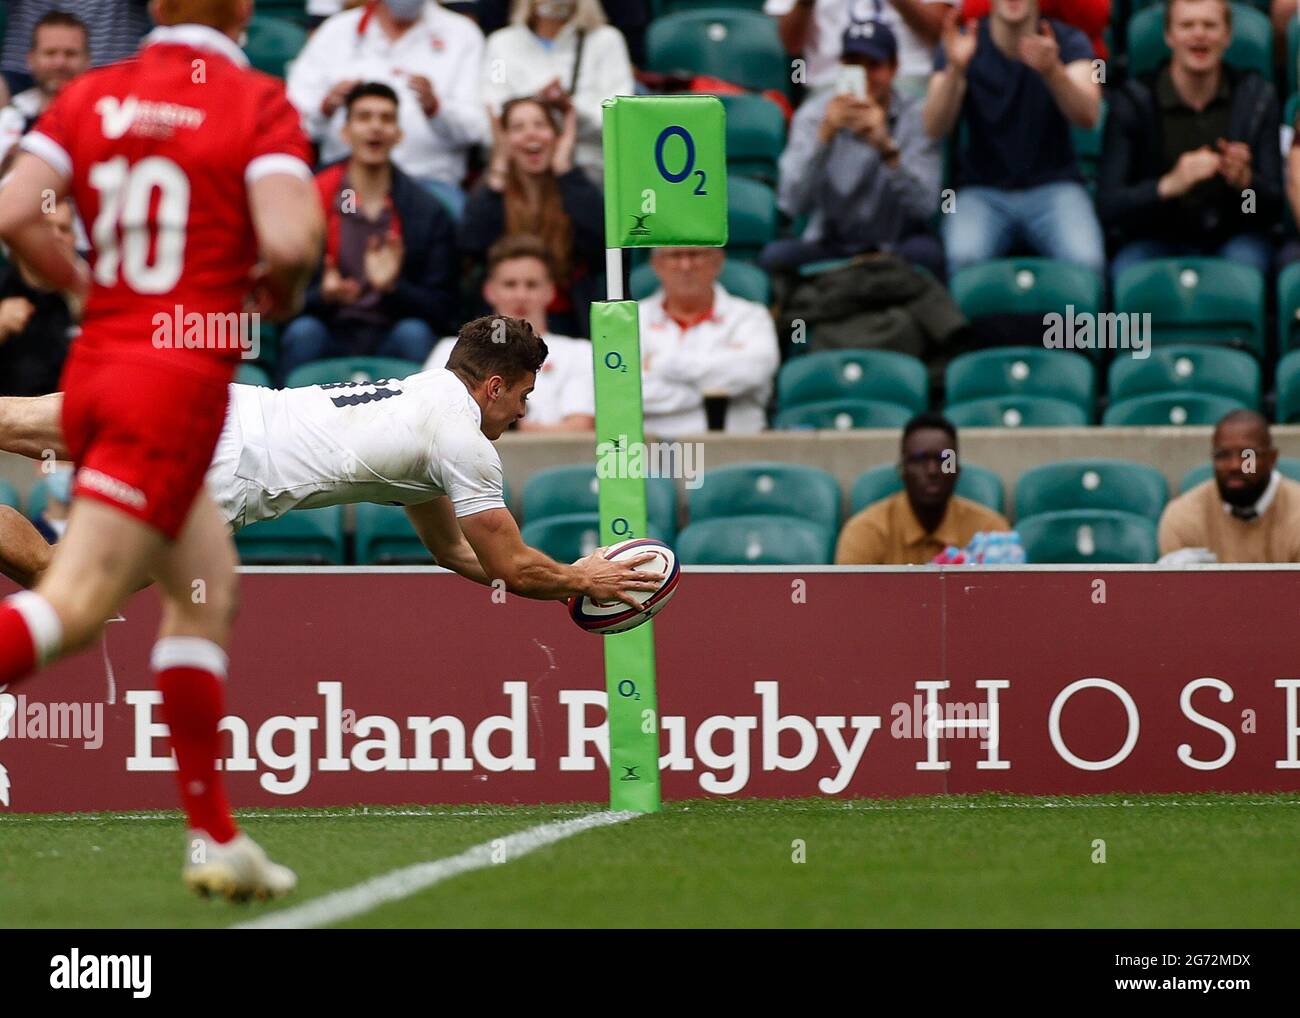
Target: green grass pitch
(1170, 861)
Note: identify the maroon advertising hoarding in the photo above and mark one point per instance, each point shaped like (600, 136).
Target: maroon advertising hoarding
(351, 687)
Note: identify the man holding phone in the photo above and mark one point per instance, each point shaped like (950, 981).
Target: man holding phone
(859, 164)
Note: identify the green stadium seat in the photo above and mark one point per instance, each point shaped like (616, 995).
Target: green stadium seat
(568, 538)
(756, 541)
(1196, 300)
(9, 495)
(1087, 148)
(563, 491)
(1092, 484)
(1288, 307)
(1292, 55)
(755, 137)
(1287, 466)
(1170, 408)
(740, 279)
(751, 217)
(842, 415)
(1087, 536)
(1016, 412)
(1181, 368)
(1026, 286)
(303, 536)
(1022, 371)
(1288, 388)
(767, 489)
(252, 374)
(351, 369)
(854, 374)
(384, 536)
(272, 43)
(1251, 48)
(979, 484)
(735, 45)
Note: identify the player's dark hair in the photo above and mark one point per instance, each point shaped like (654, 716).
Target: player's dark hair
(61, 19)
(521, 245)
(369, 88)
(929, 421)
(496, 345)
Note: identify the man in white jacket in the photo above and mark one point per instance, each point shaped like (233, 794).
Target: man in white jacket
(696, 338)
(429, 55)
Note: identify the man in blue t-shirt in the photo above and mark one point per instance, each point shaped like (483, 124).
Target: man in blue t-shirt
(1014, 84)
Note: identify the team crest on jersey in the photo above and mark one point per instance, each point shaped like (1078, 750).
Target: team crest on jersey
(118, 117)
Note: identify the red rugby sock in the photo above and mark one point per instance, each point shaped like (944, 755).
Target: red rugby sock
(30, 634)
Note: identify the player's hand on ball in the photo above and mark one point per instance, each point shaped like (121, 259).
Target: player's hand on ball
(610, 581)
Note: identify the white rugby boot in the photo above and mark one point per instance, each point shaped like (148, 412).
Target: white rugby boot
(237, 870)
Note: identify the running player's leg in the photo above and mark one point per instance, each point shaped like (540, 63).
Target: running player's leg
(101, 560)
(29, 426)
(24, 553)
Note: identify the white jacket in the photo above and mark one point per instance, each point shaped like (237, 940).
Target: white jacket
(517, 62)
(445, 47)
(733, 350)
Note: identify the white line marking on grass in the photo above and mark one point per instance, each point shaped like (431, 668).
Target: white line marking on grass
(364, 897)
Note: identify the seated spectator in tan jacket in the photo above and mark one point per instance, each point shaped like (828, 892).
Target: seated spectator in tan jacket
(916, 524)
(1248, 512)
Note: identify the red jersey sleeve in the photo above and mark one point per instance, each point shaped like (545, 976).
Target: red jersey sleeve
(51, 137)
(278, 144)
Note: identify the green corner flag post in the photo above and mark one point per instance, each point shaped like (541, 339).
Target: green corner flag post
(665, 186)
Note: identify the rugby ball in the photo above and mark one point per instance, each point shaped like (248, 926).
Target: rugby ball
(607, 617)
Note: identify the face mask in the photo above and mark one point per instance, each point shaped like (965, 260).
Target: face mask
(405, 10)
(560, 10)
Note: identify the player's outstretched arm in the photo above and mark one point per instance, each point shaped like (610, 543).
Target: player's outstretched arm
(24, 201)
(290, 228)
(29, 426)
(495, 538)
(24, 554)
(435, 523)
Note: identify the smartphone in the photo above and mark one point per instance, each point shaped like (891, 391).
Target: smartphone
(852, 80)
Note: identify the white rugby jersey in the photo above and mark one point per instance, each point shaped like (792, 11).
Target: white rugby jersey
(565, 385)
(402, 441)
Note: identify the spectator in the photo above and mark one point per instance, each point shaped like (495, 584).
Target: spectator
(532, 187)
(36, 323)
(914, 525)
(562, 51)
(861, 167)
(431, 58)
(115, 28)
(52, 521)
(1089, 16)
(814, 30)
(698, 340)
(630, 17)
(59, 52)
(1183, 146)
(389, 277)
(520, 284)
(1248, 512)
(1015, 84)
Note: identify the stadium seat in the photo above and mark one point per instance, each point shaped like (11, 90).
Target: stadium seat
(1165, 408)
(1196, 300)
(304, 536)
(272, 43)
(1288, 388)
(1087, 536)
(1288, 307)
(751, 218)
(1181, 368)
(756, 541)
(351, 369)
(1026, 286)
(568, 538)
(1087, 148)
(853, 374)
(767, 489)
(1022, 371)
(1287, 466)
(562, 491)
(979, 484)
(740, 279)
(9, 495)
(842, 415)
(1251, 48)
(1091, 484)
(1016, 412)
(735, 45)
(252, 374)
(755, 137)
(1292, 55)
(384, 536)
